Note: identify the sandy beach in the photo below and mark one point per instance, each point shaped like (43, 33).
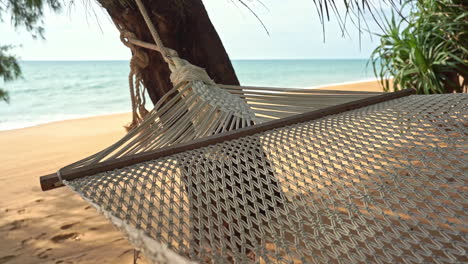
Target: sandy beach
(57, 226)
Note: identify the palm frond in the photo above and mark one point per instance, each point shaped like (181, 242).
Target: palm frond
(428, 51)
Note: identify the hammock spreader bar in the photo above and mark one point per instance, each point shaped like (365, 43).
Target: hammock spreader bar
(52, 181)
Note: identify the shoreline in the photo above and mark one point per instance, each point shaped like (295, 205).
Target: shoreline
(344, 83)
(75, 117)
(331, 86)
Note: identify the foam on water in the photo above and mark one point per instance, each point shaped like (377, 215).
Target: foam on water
(53, 91)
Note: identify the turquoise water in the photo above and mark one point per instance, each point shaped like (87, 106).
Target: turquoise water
(52, 91)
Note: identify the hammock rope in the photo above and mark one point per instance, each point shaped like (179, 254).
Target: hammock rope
(138, 62)
(196, 106)
(381, 180)
(183, 71)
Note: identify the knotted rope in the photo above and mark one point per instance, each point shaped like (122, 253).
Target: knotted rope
(181, 70)
(153, 32)
(138, 62)
(190, 72)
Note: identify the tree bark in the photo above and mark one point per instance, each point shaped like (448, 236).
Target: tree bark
(453, 83)
(184, 26)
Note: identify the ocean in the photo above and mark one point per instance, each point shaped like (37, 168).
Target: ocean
(59, 90)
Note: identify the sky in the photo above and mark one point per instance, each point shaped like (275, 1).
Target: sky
(295, 32)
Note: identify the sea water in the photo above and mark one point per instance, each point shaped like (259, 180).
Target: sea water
(59, 90)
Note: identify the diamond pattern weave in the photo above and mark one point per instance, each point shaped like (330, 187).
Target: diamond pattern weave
(382, 184)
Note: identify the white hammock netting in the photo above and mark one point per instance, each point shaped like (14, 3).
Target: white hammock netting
(386, 183)
(195, 110)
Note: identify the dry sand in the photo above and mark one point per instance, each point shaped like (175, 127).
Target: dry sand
(57, 226)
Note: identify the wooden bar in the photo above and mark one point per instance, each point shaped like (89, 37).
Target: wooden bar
(294, 94)
(293, 90)
(52, 181)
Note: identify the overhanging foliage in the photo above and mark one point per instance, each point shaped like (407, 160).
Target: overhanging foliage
(428, 50)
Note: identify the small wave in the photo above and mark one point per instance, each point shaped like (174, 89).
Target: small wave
(12, 125)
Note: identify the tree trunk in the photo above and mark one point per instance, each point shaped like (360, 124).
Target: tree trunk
(453, 83)
(184, 26)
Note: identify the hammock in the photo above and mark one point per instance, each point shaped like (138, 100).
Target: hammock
(223, 174)
(384, 183)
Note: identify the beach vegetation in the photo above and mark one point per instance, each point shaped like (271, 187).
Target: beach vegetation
(426, 49)
(9, 69)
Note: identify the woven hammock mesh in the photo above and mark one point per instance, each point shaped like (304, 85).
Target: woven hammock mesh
(385, 183)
